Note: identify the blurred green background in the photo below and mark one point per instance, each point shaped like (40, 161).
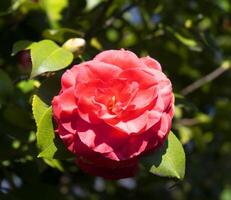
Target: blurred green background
(189, 38)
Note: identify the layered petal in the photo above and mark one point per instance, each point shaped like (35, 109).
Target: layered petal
(112, 110)
(121, 58)
(150, 62)
(65, 103)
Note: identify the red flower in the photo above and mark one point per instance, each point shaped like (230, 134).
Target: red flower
(113, 109)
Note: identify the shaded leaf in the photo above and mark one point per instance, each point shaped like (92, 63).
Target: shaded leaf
(21, 45)
(50, 88)
(17, 116)
(54, 163)
(6, 85)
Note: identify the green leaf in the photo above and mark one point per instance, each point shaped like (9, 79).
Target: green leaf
(186, 41)
(45, 132)
(21, 45)
(61, 34)
(189, 42)
(47, 56)
(48, 142)
(54, 163)
(38, 108)
(169, 161)
(27, 86)
(6, 86)
(53, 9)
(92, 3)
(50, 146)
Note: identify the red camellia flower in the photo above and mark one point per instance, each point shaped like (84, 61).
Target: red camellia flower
(113, 109)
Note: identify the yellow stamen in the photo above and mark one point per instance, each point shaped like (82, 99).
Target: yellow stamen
(112, 103)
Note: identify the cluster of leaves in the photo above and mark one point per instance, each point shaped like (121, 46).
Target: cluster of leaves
(190, 39)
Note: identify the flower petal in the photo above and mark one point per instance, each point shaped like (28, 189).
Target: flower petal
(150, 62)
(93, 70)
(64, 103)
(121, 58)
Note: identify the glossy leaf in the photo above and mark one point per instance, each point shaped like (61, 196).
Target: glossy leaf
(47, 56)
(169, 161)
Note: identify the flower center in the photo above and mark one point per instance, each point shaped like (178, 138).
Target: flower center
(111, 103)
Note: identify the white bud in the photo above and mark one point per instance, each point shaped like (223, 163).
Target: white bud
(75, 45)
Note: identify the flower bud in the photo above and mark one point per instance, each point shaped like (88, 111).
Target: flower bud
(75, 45)
(24, 59)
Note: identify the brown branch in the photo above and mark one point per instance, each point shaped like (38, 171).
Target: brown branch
(187, 122)
(211, 76)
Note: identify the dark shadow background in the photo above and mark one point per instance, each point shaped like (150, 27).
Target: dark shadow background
(189, 38)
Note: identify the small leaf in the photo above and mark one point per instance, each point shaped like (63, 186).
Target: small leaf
(47, 56)
(96, 44)
(51, 147)
(45, 132)
(38, 108)
(21, 45)
(186, 41)
(189, 42)
(169, 161)
(27, 86)
(54, 163)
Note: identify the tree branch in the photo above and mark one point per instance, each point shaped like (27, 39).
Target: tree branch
(211, 76)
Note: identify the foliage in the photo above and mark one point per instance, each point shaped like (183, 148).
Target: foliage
(171, 161)
(189, 38)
